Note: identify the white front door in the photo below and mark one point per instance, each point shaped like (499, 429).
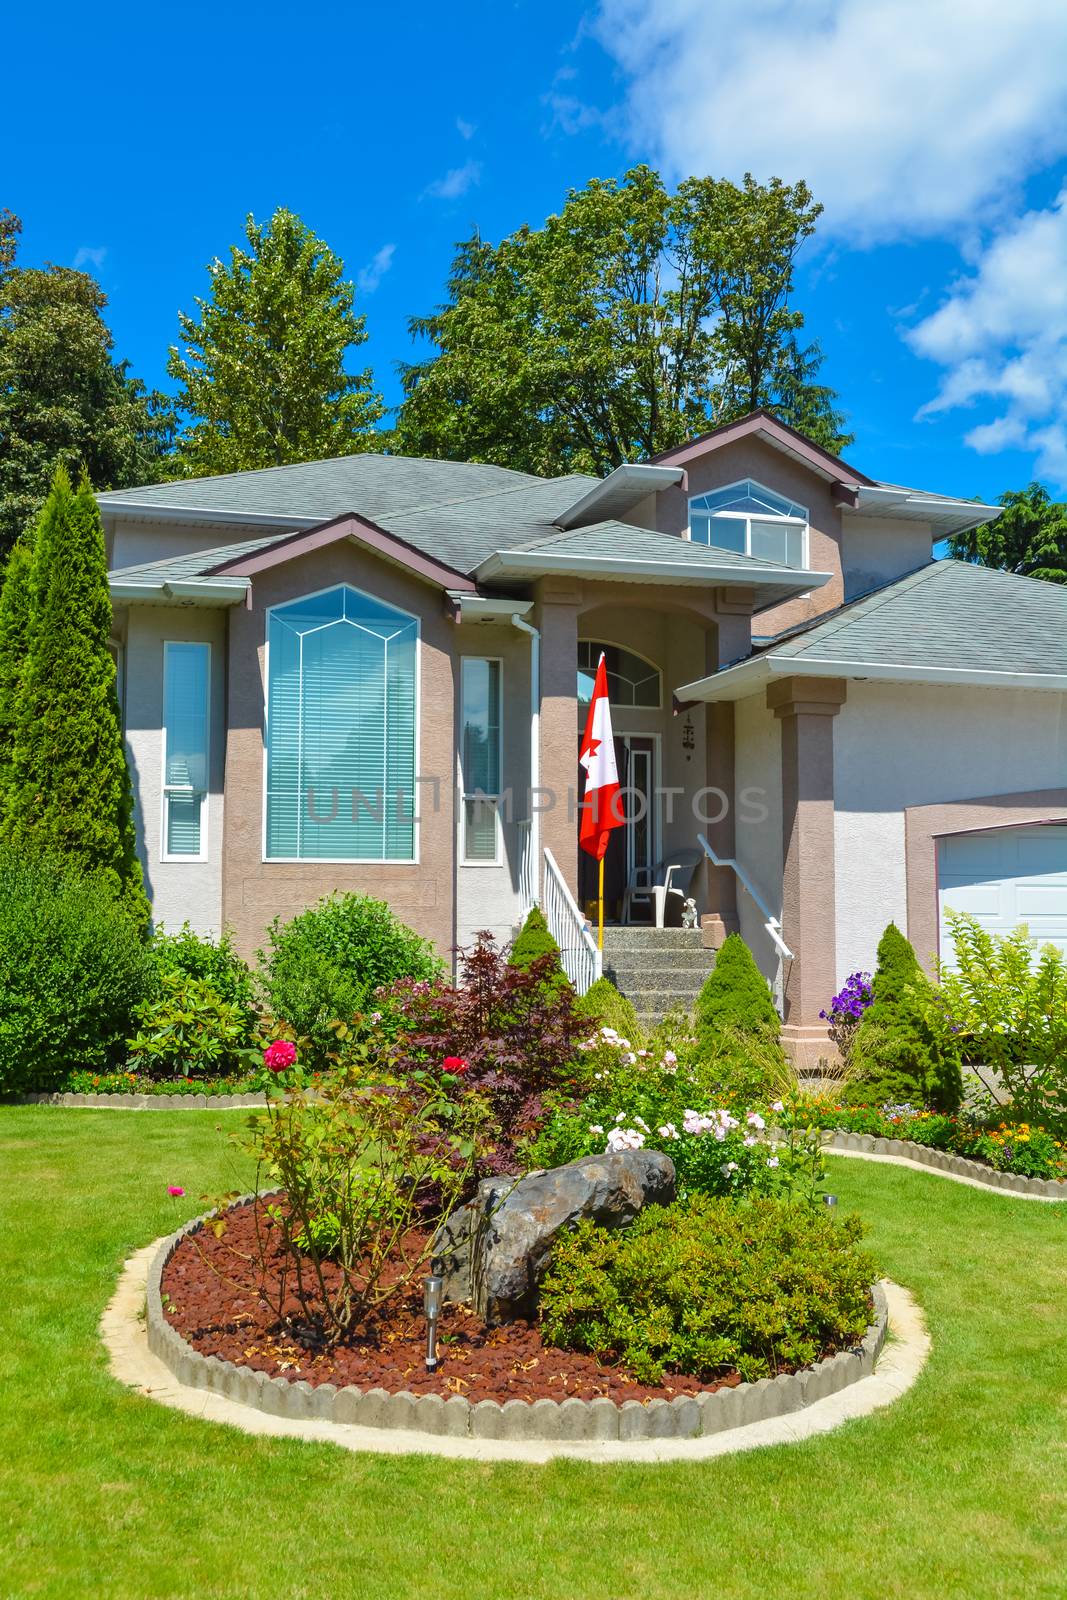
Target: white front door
(1004, 877)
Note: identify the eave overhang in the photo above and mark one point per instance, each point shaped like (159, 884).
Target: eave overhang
(745, 678)
(618, 493)
(184, 592)
(772, 583)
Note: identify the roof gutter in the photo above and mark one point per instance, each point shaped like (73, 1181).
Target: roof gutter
(505, 563)
(144, 511)
(971, 514)
(747, 677)
(186, 592)
(624, 486)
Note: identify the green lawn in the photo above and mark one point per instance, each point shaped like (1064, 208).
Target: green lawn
(960, 1489)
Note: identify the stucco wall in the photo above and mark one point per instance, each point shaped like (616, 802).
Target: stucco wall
(758, 832)
(130, 543)
(254, 890)
(878, 549)
(904, 745)
(488, 896)
(181, 891)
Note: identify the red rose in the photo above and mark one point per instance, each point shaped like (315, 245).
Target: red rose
(455, 1064)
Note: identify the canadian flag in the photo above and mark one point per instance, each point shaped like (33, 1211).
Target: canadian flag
(601, 803)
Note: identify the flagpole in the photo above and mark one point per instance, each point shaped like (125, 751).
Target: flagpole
(600, 925)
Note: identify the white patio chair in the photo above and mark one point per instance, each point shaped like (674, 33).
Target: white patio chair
(652, 885)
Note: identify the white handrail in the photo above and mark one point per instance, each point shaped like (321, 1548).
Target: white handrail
(527, 888)
(582, 961)
(772, 924)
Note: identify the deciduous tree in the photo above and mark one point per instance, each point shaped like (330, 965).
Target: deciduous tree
(631, 321)
(262, 367)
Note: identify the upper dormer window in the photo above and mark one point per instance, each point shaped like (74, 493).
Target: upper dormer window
(753, 521)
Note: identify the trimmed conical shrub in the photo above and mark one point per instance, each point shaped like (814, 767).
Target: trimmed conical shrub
(15, 611)
(535, 941)
(606, 1007)
(735, 998)
(900, 1054)
(70, 794)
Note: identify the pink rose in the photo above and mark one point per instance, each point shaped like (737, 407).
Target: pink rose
(172, 1189)
(455, 1064)
(279, 1055)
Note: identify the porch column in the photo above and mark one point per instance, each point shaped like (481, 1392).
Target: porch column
(806, 708)
(558, 600)
(729, 640)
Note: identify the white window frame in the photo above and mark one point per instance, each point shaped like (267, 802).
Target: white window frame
(416, 837)
(615, 644)
(464, 795)
(747, 518)
(165, 788)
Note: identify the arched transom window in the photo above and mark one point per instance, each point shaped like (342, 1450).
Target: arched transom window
(632, 681)
(341, 689)
(753, 521)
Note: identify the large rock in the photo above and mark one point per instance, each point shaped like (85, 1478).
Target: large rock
(496, 1249)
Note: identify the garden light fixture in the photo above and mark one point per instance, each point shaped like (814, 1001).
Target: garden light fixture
(433, 1286)
(830, 1200)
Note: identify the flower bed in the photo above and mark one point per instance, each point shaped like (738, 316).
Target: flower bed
(1026, 1151)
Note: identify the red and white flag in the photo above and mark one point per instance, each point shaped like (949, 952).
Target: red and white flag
(602, 803)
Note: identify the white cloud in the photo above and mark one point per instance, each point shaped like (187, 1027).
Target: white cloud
(369, 277)
(90, 256)
(905, 117)
(466, 130)
(1001, 337)
(456, 182)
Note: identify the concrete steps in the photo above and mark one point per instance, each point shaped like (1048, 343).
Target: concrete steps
(657, 969)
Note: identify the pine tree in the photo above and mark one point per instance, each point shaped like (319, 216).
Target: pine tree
(15, 612)
(735, 996)
(899, 1056)
(70, 792)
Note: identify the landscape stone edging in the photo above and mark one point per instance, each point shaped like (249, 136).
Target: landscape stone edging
(943, 1161)
(685, 1417)
(148, 1102)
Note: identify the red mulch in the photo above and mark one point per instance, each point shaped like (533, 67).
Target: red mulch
(211, 1289)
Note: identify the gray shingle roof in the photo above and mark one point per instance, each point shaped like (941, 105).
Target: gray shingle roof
(948, 614)
(624, 541)
(374, 485)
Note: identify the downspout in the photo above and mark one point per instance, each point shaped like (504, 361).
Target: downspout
(535, 747)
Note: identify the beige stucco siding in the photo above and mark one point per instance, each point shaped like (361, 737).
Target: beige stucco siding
(901, 745)
(878, 549)
(181, 891)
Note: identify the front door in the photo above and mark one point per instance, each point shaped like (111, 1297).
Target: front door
(634, 844)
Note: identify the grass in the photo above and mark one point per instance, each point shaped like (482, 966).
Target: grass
(958, 1490)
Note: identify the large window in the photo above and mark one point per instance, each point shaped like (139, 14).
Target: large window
(341, 692)
(632, 681)
(480, 759)
(186, 698)
(752, 521)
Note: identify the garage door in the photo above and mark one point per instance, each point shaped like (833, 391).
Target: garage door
(1005, 877)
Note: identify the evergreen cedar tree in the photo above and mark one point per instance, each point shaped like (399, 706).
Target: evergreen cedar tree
(69, 793)
(901, 1054)
(1029, 537)
(607, 1008)
(14, 639)
(735, 998)
(535, 941)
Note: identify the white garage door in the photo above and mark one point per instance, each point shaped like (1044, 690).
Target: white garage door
(1005, 877)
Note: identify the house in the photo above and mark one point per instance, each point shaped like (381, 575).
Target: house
(370, 674)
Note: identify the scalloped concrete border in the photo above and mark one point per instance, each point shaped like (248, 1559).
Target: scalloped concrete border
(124, 1331)
(769, 1411)
(146, 1102)
(902, 1152)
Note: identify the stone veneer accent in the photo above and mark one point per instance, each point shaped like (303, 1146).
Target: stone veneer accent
(685, 1417)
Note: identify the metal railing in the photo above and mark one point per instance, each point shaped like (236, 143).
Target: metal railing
(771, 922)
(582, 961)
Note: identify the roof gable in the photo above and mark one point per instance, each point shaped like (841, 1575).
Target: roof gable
(780, 436)
(380, 541)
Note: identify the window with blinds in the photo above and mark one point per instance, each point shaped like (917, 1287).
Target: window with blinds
(341, 684)
(186, 704)
(480, 759)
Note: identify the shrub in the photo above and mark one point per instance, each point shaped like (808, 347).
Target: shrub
(1011, 1016)
(534, 943)
(903, 1049)
(606, 1007)
(709, 1287)
(188, 1029)
(735, 1000)
(73, 969)
(510, 1033)
(325, 965)
(362, 1169)
(213, 961)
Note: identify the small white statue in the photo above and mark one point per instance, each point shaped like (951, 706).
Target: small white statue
(689, 914)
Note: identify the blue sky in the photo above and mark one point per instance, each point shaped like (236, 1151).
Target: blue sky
(934, 131)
